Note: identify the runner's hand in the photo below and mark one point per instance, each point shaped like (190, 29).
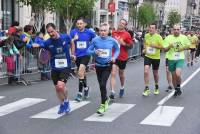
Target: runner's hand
(73, 57)
(76, 37)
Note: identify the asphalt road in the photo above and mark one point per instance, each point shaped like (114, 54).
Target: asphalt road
(133, 114)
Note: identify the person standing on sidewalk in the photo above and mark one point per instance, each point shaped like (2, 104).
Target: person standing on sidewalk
(81, 38)
(101, 47)
(126, 42)
(175, 45)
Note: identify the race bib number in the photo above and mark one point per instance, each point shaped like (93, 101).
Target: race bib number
(151, 50)
(81, 44)
(177, 55)
(104, 53)
(60, 63)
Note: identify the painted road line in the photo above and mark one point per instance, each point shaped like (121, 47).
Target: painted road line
(163, 116)
(18, 105)
(53, 112)
(114, 111)
(165, 99)
(1, 97)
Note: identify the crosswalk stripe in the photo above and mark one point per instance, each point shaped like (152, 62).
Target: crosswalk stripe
(114, 111)
(163, 116)
(17, 105)
(1, 97)
(52, 113)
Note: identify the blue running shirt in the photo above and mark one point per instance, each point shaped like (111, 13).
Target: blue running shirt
(82, 44)
(59, 49)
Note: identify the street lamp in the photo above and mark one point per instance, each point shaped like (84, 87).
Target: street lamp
(193, 7)
(134, 4)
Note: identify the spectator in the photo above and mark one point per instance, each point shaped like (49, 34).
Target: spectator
(9, 52)
(26, 37)
(12, 28)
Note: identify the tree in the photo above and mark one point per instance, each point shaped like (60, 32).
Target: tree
(173, 18)
(146, 14)
(69, 10)
(39, 8)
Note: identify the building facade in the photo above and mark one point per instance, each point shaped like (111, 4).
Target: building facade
(102, 13)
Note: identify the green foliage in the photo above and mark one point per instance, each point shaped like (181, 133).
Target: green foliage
(146, 14)
(173, 18)
(39, 5)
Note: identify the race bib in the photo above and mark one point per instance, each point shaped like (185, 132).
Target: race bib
(81, 44)
(104, 53)
(151, 50)
(60, 63)
(177, 55)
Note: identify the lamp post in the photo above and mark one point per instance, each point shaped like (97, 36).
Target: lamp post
(134, 6)
(193, 7)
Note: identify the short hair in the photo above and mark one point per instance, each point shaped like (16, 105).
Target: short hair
(51, 25)
(124, 20)
(28, 28)
(81, 18)
(105, 25)
(153, 23)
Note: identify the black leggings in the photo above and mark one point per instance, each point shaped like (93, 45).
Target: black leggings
(103, 74)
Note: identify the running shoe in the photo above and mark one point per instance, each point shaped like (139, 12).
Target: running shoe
(86, 93)
(121, 93)
(79, 97)
(146, 92)
(169, 89)
(67, 106)
(103, 108)
(61, 109)
(112, 95)
(156, 91)
(177, 92)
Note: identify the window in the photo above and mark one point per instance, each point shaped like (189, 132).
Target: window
(102, 4)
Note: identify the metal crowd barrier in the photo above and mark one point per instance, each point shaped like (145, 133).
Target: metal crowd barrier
(28, 65)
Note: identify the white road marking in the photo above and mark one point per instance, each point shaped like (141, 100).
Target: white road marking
(114, 111)
(165, 99)
(52, 113)
(163, 116)
(18, 105)
(1, 97)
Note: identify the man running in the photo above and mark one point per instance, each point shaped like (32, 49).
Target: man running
(58, 46)
(191, 54)
(81, 38)
(101, 47)
(152, 47)
(126, 42)
(175, 45)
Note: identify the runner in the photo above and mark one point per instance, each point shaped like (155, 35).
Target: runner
(126, 42)
(101, 47)
(194, 42)
(175, 45)
(168, 74)
(152, 47)
(58, 46)
(81, 38)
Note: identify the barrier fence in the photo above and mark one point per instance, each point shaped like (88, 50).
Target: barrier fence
(25, 67)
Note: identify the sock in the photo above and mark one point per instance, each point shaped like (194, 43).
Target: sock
(81, 84)
(146, 87)
(122, 87)
(85, 81)
(156, 85)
